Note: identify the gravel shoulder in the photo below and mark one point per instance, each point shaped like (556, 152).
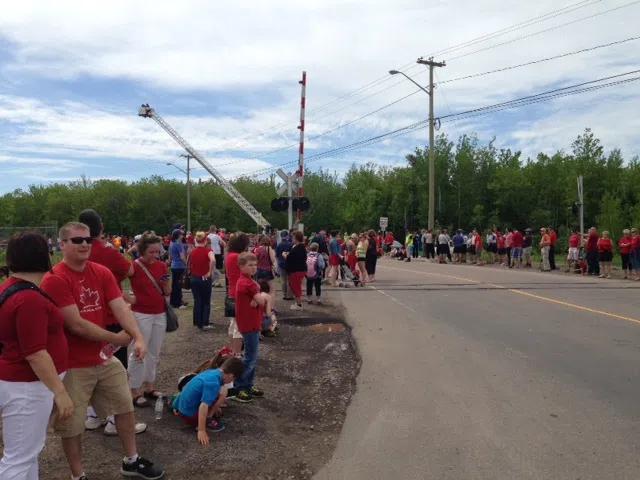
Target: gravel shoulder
(308, 378)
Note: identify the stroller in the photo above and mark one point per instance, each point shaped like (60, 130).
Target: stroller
(347, 276)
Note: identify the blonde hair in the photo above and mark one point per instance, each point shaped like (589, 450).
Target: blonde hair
(606, 232)
(66, 229)
(201, 237)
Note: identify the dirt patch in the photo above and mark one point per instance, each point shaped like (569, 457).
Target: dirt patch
(308, 379)
(327, 328)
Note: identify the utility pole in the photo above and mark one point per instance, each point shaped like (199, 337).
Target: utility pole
(303, 101)
(581, 200)
(432, 178)
(188, 157)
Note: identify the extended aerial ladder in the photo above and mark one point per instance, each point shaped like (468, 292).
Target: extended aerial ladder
(147, 112)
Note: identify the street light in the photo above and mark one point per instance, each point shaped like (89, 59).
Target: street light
(187, 173)
(431, 64)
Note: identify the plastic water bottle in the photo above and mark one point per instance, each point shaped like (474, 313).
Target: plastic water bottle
(159, 408)
(109, 350)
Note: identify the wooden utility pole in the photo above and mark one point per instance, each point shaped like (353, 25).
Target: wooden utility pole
(432, 204)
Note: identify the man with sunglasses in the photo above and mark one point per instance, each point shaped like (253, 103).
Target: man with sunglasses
(83, 291)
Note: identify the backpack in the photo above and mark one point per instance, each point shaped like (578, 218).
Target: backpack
(18, 287)
(312, 266)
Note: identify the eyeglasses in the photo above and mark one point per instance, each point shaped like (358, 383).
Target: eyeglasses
(79, 240)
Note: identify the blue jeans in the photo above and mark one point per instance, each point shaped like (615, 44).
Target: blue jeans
(251, 343)
(176, 287)
(201, 290)
(410, 252)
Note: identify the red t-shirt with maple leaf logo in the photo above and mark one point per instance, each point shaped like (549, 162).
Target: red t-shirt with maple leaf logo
(91, 290)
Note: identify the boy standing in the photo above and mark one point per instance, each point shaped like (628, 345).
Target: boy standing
(249, 320)
(203, 397)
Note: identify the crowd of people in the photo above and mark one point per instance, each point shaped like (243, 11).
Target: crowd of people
(80, 349)
(588, 254)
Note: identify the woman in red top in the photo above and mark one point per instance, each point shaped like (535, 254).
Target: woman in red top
(237, 245)
(605, 255)
(478, 245)
(34, 357)
(151, 282)
(201, 263)
(267, 263)
(625, 250)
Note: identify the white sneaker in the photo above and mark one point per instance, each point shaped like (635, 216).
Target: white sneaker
(92, 422)
(111, 430)
(296, 308)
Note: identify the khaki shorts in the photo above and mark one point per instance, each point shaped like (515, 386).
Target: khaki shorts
(233, 329)
(104, 386)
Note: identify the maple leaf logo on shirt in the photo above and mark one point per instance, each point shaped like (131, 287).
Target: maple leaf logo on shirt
(89, 298)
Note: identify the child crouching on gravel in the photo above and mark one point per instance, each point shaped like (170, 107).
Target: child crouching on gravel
(200, 402)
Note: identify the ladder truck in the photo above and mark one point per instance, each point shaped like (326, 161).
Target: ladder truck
(147, 112)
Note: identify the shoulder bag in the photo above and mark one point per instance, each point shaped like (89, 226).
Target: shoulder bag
(172, 316)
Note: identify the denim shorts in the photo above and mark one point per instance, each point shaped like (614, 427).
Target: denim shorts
(265, 275)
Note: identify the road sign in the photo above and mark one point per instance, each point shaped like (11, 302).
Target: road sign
(384, 223)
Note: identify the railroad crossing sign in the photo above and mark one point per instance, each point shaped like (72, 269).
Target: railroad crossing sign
(384, 223)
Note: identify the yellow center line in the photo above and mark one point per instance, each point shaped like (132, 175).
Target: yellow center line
(520, 292)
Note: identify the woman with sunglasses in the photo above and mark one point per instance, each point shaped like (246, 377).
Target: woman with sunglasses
(34, 357)
(150, 283)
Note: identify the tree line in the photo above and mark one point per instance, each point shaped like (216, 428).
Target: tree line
(477, 186)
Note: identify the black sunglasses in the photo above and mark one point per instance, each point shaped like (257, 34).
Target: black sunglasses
(79, 240)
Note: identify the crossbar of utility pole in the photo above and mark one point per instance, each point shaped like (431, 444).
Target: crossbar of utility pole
(432, 178)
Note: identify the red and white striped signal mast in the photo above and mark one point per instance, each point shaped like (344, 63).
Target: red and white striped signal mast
(303, 82)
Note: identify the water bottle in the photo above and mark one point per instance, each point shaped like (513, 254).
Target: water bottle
(109, 350)
(159, 408)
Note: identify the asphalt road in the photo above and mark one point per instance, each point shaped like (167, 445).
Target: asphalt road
(485, 373)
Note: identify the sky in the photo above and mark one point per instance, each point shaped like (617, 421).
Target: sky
(224, 74)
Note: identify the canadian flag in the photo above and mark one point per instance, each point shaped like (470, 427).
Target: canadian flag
(89, 298)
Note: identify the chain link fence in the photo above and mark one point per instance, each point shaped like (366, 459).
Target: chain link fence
(49, 231)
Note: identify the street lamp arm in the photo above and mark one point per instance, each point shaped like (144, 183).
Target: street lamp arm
(395, 72)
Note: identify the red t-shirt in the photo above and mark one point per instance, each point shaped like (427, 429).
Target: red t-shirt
(553, 237)
(592, 242)
(91, 290)
(114, 261)
(625, 245)
(635, 242)
(248, 318)
(389, 239)
(478, 241)
(191, 240)
(574, 241)
(29, 323)
(605, 244)
(199, 261)
(500, 241)
(148, 299)
(518, 240)
(232, 270)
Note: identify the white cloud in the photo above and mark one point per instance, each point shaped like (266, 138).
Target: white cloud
(223, 71)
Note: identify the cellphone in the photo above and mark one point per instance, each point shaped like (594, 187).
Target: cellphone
(166, 277)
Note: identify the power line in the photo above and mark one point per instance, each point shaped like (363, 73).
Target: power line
(528, 100)
(238, 143)
(541, 60)
(546, 30)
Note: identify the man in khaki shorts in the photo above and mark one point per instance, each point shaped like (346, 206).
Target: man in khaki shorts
(82, 290)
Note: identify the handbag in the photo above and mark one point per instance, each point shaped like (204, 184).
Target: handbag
(172, 316)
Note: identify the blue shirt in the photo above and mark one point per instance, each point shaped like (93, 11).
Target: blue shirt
(283, 246)
(175, 249)
(458, 240)
(203, 388)
(334, 247)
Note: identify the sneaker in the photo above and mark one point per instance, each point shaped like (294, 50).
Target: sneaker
(256, 392)
(232, 392)
(207, 327)
(92, 422)
(296, 308)
(142, 468)
(243, 397)
(214, 425)
(182, 307)
(111, 430)
(310, 301)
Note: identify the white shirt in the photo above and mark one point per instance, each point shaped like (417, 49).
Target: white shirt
(442, 239)
(216, 243)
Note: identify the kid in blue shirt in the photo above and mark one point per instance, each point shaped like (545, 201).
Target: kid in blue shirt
(201, 399)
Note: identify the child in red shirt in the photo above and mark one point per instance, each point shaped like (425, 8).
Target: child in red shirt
(249, 320)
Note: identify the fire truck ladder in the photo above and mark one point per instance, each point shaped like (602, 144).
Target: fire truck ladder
(147, 112)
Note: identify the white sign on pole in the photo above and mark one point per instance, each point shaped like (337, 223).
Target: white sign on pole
(384, 223)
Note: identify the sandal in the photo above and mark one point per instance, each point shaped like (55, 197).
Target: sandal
(140, 404)
(153, 395)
